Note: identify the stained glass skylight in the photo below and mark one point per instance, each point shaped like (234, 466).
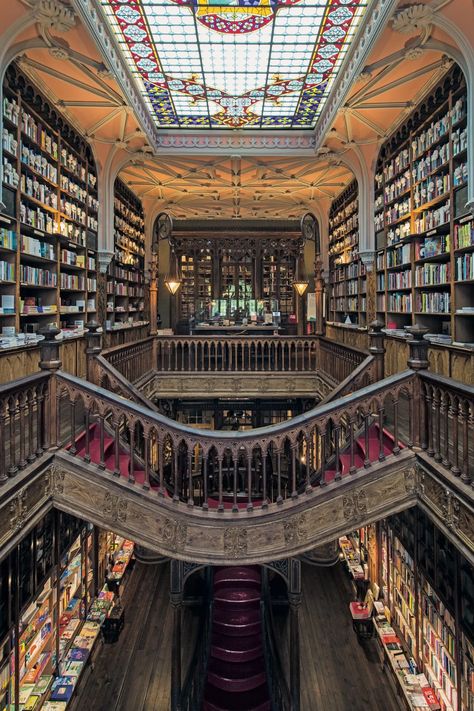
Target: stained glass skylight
(234, 63)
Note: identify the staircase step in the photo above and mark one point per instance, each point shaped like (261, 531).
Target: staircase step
(244, 623)
(237, 599)
(345, 460)
(237, 576)
(255, 700)
(94, 449)
(236, 648)
(373, 448)
(236, 677)
(124, 463)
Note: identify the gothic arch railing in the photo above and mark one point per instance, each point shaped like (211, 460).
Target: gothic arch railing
(231, 471)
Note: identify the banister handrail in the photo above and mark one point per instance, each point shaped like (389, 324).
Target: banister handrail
(259, 433)
(354, 349)
(23, 383)
(353, 381)
(126, 346)
(120, 383)
(461, 389)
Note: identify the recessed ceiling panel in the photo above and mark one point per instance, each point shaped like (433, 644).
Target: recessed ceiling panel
(234, 63)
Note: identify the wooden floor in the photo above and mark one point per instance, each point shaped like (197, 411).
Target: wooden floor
(134, 673)
(338, 674)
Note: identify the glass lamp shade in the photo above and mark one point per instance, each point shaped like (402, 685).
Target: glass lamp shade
(300, 286)
(172, 283)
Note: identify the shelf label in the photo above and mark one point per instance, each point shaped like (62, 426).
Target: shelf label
(431, 232)
(5, 219)
(465, 219)
(37, 232)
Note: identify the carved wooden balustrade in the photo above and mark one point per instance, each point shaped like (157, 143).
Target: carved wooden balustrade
(339, 360)
(447, 424)
(23, 435)
(132, 360)
(244, 354)
(236, 354)
(231, 471)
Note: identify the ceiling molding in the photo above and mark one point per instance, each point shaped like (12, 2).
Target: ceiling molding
(373, 22)
(91, 16)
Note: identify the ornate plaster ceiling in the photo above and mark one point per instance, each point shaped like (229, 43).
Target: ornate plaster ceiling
(235, 186)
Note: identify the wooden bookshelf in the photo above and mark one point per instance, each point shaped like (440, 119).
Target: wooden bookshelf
(424, 233)
(125, 277)
(432, 583)
(48, 232)
(348, 297)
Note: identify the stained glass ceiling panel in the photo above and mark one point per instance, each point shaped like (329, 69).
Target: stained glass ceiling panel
(234, 63)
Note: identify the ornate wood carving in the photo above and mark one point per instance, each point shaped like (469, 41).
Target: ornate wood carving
(115, 507)
(355, 506)
(18, 511)
(294, 529)
(174, 533)
(235, 542)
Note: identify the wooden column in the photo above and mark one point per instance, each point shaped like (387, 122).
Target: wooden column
(294, 598)
(153, 293)
(319, 291)
(49, 360)
(93, 349)
(417, 361)
(377, 348)
(176, 600)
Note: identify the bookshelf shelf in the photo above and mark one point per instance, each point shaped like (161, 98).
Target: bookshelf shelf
(348, 288)
(423, 167)
(51, 209)
(125, 286)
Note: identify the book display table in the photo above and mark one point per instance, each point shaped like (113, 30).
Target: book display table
(413, 688)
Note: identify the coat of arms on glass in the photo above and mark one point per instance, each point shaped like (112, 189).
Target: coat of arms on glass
(235, 63)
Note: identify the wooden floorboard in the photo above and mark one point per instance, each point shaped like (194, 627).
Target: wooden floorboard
(134, 673)
(337, 673)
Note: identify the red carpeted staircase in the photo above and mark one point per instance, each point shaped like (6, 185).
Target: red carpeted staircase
(236, 676)
(361, 452)
(109, 455)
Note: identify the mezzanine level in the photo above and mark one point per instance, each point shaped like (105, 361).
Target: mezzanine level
(108, 456)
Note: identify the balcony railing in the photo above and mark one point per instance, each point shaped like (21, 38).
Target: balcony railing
(236, 472)
(235, 354)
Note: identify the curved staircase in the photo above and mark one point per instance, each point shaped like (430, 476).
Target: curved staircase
(236, 675)
(366, 452)
(109, 455)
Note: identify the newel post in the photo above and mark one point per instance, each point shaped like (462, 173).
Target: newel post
(49, 361)
(377, 348)
(93, 349)
(417, 361)
(319, 295)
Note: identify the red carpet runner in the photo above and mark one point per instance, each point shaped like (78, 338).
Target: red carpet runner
(236, 679)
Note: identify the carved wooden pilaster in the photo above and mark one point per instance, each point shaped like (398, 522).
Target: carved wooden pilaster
(93, 349)
(49, 360)
(371, 286)
(153, 293)
(377, 348)
(319, 290)
(104, 259)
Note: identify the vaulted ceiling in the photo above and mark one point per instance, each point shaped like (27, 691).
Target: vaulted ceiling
(235, 186)
(226, 181)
